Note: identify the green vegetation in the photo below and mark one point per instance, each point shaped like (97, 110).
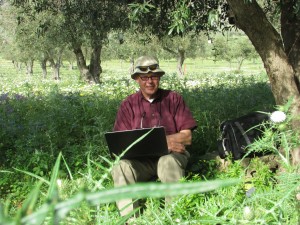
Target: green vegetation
(55, 165)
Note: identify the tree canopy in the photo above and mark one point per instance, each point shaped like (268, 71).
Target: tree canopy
(84, 23)
(273, 27)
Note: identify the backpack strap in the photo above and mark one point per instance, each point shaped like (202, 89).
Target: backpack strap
(243, 132)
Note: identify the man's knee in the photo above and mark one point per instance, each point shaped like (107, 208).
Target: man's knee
(168, 161)
(174, 160)
(171, 167)
(122, 173)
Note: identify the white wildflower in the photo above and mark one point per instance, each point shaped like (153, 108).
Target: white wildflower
(248, 213)
(277, 117)
(192, 83)
(59, 182)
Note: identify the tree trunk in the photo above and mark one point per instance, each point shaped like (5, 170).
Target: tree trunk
(55, 68)
(131, 68)
(84, 69)
(17, 65)
(180, 60)
(44, 67)
(95, 63)
(71, 67)
(240, 62)
(290, 31)
(29, 67)
(81, 64)
(250, 18)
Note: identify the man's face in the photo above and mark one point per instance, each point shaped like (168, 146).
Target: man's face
(149, 84)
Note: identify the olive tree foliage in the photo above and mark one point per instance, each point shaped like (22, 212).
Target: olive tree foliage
(48, 45)
(184, 46)
(7, 33)
(231, 48)
(11, 49)
(132, 44)
(129, 45)
(25, 42)
(83, 24)
(172, 22)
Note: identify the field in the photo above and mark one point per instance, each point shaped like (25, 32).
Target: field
(53, 148)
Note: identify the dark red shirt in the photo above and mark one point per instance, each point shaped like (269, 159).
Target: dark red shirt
(168, 110)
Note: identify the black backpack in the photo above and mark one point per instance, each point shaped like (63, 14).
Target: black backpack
(237, 134)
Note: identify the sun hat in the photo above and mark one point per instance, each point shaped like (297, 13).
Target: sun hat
(146, 64)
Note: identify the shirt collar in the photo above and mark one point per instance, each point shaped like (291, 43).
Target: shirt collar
(158, 97)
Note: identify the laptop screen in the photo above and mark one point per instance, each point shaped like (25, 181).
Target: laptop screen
(138, 143)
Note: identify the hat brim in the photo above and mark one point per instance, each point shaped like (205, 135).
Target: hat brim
(137, 71)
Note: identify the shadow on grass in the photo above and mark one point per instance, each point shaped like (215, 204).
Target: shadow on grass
(211, 106)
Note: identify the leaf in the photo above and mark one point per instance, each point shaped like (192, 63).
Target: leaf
(213, 17)
(54, 175)
(30, 202)
(171, 31)
(63, 208)
(38, 217)
(3, 219)
(141, 190)
(69, 171)
(5, 171)
(144, 190)
(34, 175)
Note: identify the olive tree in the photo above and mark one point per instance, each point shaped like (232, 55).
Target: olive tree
(84, 24)
(157, 17)
(236, 47)
(277, 42)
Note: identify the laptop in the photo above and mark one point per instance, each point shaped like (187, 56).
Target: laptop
(138, 143)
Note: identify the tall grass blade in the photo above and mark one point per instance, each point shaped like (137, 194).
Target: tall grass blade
(68, 169)
(30, 202)
(144, 190)
(54, 175)
(137, 140)
(33, 175)
(38, 217)
(63, 208)
(156, 190)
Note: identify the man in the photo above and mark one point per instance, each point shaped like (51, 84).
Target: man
(151, 107)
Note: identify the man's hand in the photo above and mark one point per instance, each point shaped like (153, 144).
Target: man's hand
(177, 142)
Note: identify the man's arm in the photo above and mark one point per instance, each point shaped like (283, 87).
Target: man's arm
(177, 142)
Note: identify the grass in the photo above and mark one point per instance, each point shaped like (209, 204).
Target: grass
(54, 159)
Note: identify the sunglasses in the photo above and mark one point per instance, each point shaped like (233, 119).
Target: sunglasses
(146, 78)
(146, 68)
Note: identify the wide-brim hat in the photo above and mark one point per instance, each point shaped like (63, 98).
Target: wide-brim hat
(143, 66)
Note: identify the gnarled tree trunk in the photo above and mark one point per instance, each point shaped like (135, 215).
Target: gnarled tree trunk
(180, 54)
(290, 31)
(95, 63)
(81, 64)
(44, 67)
(89, 73)
(55, 68)
(279, 53)
(29, 67)
(55, 65)
(180, 60)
